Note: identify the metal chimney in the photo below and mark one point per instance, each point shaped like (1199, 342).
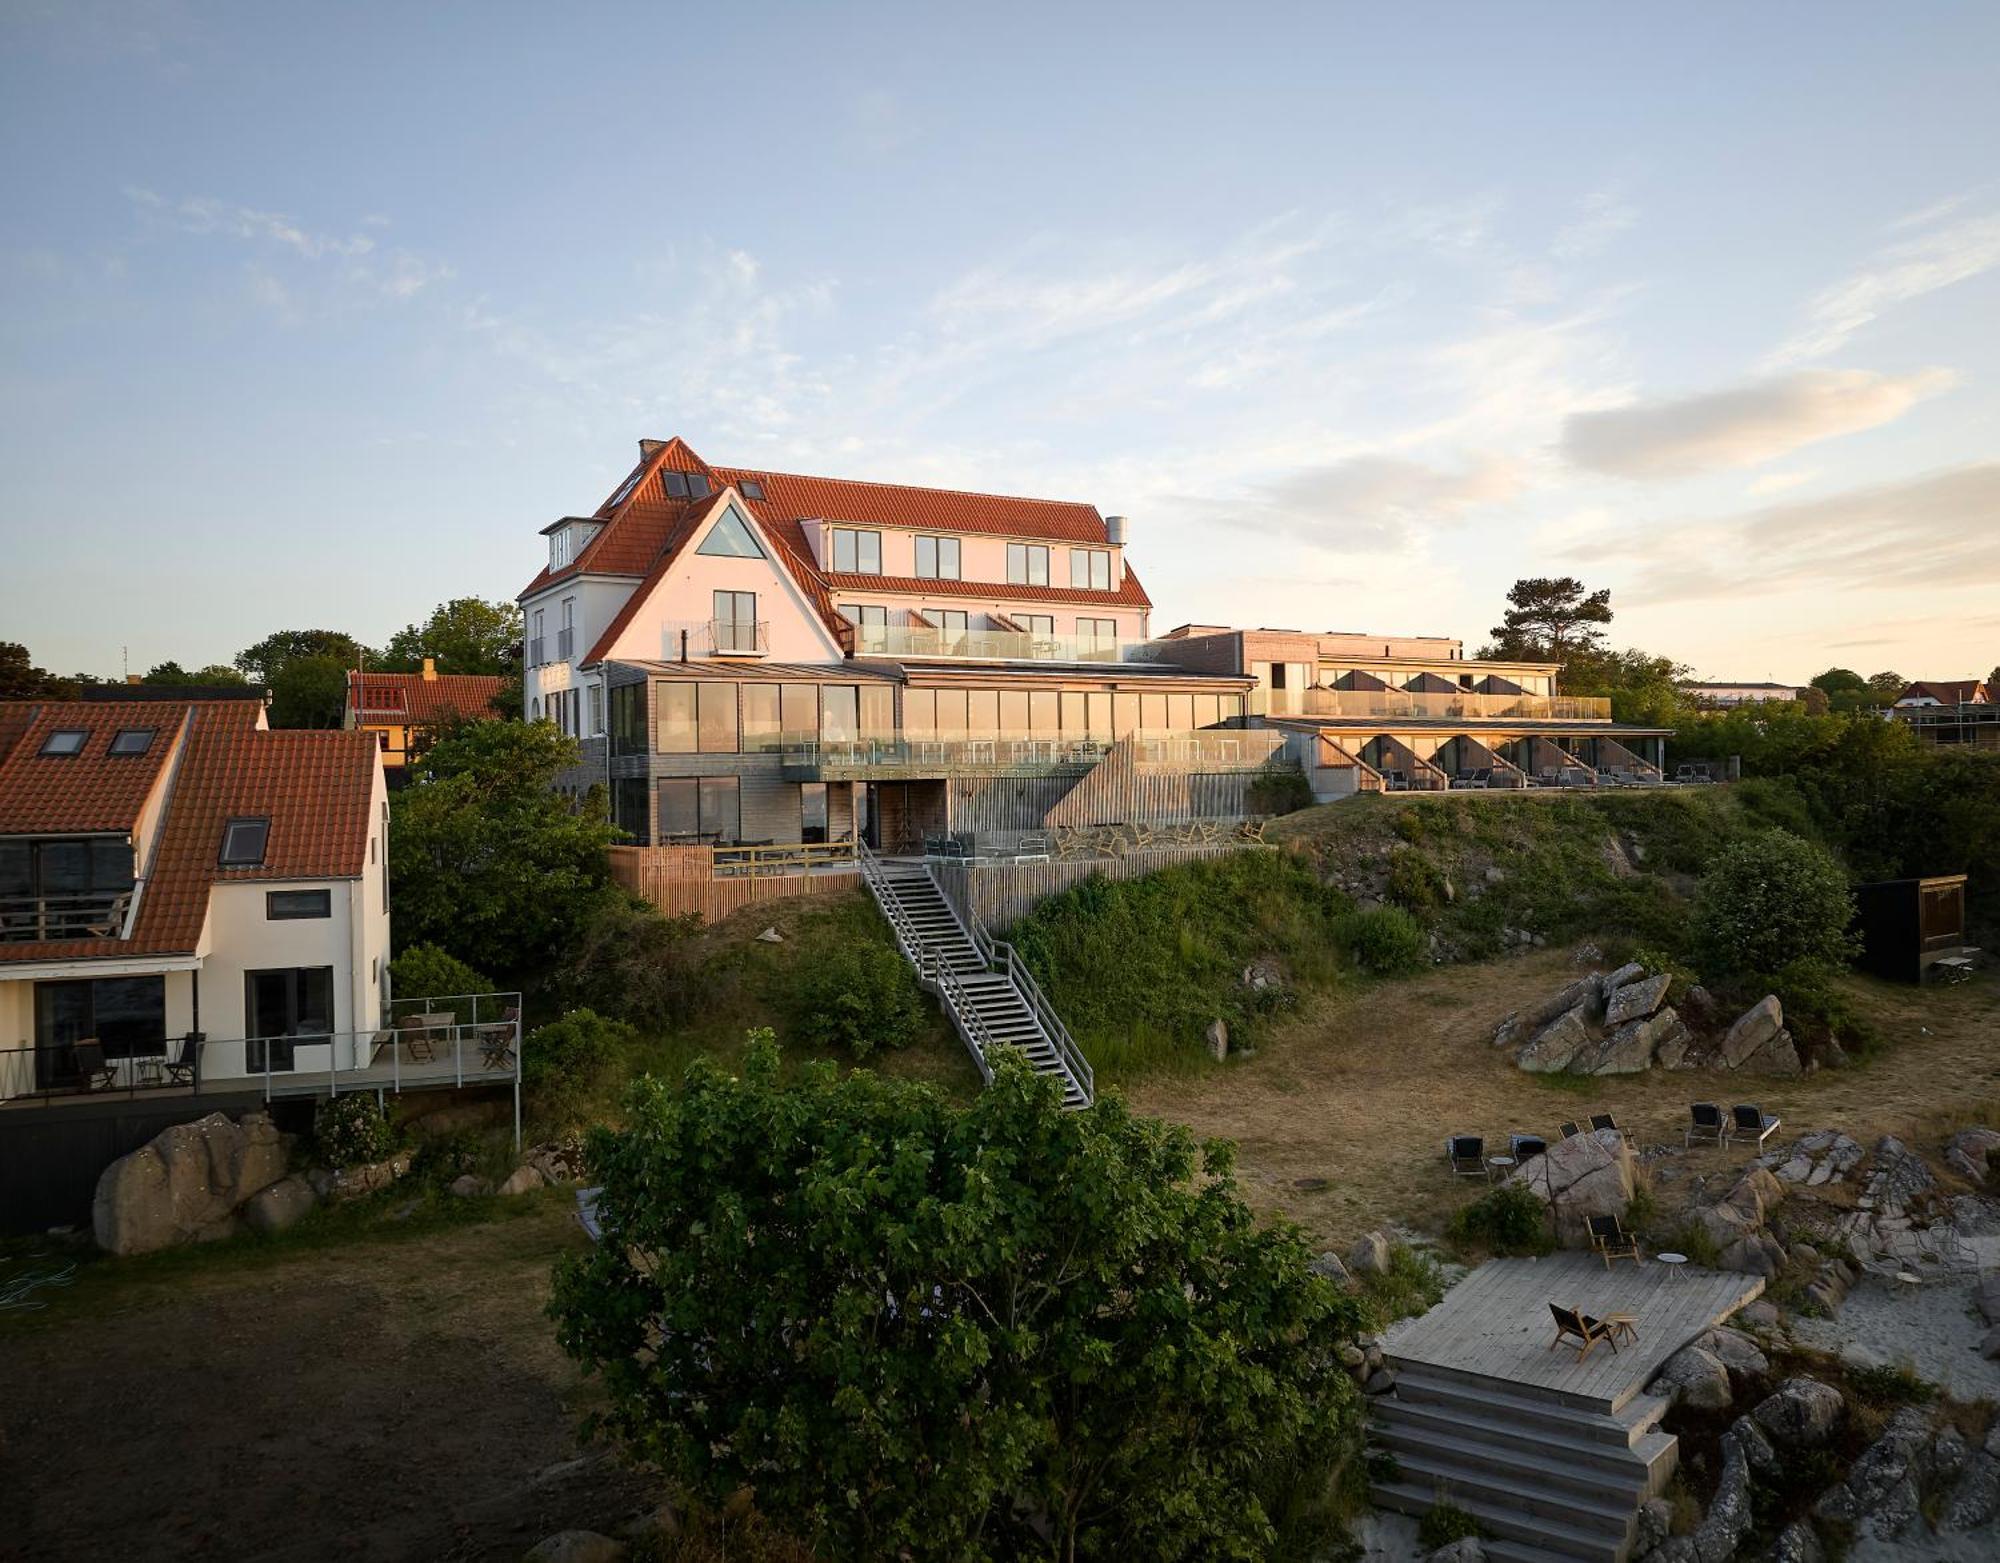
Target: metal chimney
(1114, 530)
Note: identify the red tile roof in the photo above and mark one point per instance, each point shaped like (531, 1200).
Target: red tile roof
(1949, 692)
(410, 697)
(93, 790)
(315, 787)
(641, 533)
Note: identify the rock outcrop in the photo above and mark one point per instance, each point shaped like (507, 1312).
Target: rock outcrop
(1637, 999)
(284, 1204)
(187, 1184)
(1968, 1150)
(1816, 1159)
(1801, 1413)
(1583, 1176)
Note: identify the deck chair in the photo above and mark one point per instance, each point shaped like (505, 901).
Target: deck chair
(1606, 1121)
(92, 1068)
(185, 1069)
(1753, 1121)
(418, 1037)
(1609, 1237)
(1522, 1146)
(1581, 1330)
(1467, 1155)
(1570, 1131)
(1708, 1124)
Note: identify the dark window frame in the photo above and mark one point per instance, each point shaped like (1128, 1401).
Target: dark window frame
(144, 735)
(51, 752)
(750, 488)
(259, 822)
(320, 900)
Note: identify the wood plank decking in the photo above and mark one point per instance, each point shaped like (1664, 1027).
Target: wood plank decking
(1496, 1324)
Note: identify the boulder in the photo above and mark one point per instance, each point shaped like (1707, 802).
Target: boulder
(1510, 1031)
(1217, 1038)
(1636, 1000)
(1760, 1315)
(1556, 1044)
(1585, 1175)
(1694, 1376)
(1675, 1045)
(770, 936)
(524, 1179)
(1752, 1029)
(1975, 1498)
(1729, 1515)
(575, 1546)
(284, 1204)
(470, 1185)
(1798, 1542)
(1779, 1056)
(1328, 1264)
(1467, 1549)
(1967, 1151)
(1369, 1255)
(1631, 971)
(1800, 1413)
(1882, 1496)
(1825, 1157)
(1898, 1183)
(1734, 1350)
(1628, 1050)
(185, 1184)
(1584, 994)
(1656, 1518)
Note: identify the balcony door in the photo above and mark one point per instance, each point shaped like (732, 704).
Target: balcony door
(127, 1016)
(282, 1009)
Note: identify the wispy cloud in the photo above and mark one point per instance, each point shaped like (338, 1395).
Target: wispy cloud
(1742, 425)
(1603, 217)
(1778, 483)
(1370, 502)
(1905, 270)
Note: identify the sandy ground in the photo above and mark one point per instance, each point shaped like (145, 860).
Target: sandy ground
(1360, 1091)
(1934, 1330)
(380, 1399)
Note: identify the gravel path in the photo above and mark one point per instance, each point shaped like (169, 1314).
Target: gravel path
(1935, 1331)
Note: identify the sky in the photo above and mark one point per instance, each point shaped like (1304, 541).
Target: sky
(313, 316)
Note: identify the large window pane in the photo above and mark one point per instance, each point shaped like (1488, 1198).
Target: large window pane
(868, 550)
(1153, 713)
(839, 714)
(680, 808)
(1098, 720)
(927, 557)
(1074, 722)
(1180, 712)
(761, 731)
(1013, 713)
(801, 713)
(1043, 717)
(677, 719)
(717, 731)
(919, 713)
(720, 813)
(951, 713)
(948, 558)
(982, 713)
(1124, 715)
(65, 867)
(843, 549)
(812, 811)
(878, 711)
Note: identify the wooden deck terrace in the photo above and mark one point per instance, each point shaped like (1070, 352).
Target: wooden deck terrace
(1495, 1324)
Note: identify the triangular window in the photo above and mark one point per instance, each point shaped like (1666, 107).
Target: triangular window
(730, 539)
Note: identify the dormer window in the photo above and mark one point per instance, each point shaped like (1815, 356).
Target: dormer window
(243, 841)
(64, 742)
(132, 740)
(560, 544)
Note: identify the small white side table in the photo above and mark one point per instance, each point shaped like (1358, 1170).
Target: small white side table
(1673, 1262)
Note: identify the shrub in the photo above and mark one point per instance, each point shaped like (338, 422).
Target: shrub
(569, 1064)
(629, 962)
(1443, 1523)
(1772, 902)
(1507, 1220)
(1279, 792)
(1385, 940)
(860, 997)
(1412, 1284)
(424, 971)
(352, 1130)
(1414, 880)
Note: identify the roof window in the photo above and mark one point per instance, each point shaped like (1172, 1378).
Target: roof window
(674, 484)
(625, 488)
(698, 485)
(750, 488)
(132, 740)
(243, 841)
(65, 741)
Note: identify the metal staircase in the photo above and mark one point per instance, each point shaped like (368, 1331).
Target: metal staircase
(992, 999)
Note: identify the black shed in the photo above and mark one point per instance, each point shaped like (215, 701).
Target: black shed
(1906, 924)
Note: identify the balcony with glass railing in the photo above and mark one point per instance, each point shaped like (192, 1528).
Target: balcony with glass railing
(920, 641)
(1426, 706)
(1205, 750)
(715, 638)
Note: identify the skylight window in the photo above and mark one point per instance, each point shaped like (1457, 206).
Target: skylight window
(243, 841)
(674, 484)
(65, 741)
(730, 539)
(132, 740)
(698, 485)
(626, 488)
(750, 488)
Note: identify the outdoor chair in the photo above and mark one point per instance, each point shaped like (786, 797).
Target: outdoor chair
(496, 1040)
(1581, 1330)
(1032, 848)
(1708, 1124)
(1522, 1146)
(185, 1070)
(1753, 1121)
(1467, 1155)
(1609, 1237)
(422, 1033)
(1570, 1131)
(1606, 1121)
(92, 1068)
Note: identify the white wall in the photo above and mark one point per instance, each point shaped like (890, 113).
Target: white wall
(241, 939)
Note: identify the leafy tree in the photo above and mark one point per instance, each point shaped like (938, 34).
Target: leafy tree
(860, 997)
(489, 862)
(262, 662)
(465, 635)
(423, 971)
(1550, 619)
(20, 679)
(569, 1064)
(1816, 702)
(1885, 687)
(1770, 904)
(215, 675)
(919, 1331)
(1643, 689)
(627, 961)
(1993, 684)
(1840, 681)
(309, 692)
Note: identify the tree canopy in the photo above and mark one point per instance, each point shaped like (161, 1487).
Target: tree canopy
(20, 679)
(489, 861)
(920, 1331)
(465, 635)
(262, 662)
(1550, 619)
(309, 692)
(215, 676)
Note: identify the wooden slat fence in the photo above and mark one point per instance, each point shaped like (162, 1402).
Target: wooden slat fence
(1003, 893)
(680, 880)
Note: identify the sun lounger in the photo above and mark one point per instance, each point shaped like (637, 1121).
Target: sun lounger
(1606, 1121)
(1609, 1237)
(1753, 1121)
(1581, 1330)
(1467, 1155)
(92, 1068)
(1708, 1124)
(1571, 1130)
(1522, 1146)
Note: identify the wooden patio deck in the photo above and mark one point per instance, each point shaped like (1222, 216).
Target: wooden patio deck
(1495, 1324)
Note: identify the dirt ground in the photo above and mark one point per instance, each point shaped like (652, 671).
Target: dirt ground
(1361, 1090)
(379, 1399)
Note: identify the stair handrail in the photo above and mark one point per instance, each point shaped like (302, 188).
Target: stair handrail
(913, 945)
(991, 951)
(932, 969)
(965, 1016)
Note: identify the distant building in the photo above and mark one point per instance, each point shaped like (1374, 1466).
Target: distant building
(402, 710)
(1943, 692)
(1721, 694)
(1950, 713)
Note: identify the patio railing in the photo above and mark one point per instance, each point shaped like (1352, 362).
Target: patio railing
(93, 915)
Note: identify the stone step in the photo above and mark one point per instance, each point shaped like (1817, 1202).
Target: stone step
(1542, 1539)
(1518, 1405)
(1531, 1493)
(1398, 1422)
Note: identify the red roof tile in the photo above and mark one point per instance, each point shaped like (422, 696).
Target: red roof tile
(93, 790)
(400, 697)
(1948, 692)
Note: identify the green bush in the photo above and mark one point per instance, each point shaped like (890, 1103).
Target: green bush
(1771, 903)
(568, 1065)
(351, 1131)
(1443, 1523)
(1386, 941)
(1507, 1220)
(1415, 880)
(424, 971)
(1279, 792)
(629, 962)
(860, 997)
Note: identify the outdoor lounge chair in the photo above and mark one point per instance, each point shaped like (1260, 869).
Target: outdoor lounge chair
(1581, 1330)
(92, 1068)
(1708, 1124)
(1570, 1131)
(1753, 1121)
(1522, 1146)
(1609, 1237)
(1606, 1121)
(185, 1070)
(1467, 1155)
(496, 1040)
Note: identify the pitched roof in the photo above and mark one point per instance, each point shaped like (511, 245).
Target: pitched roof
(641, 528)
(1949, 692)
(315, 787)
(92, 790)
(398, 697)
